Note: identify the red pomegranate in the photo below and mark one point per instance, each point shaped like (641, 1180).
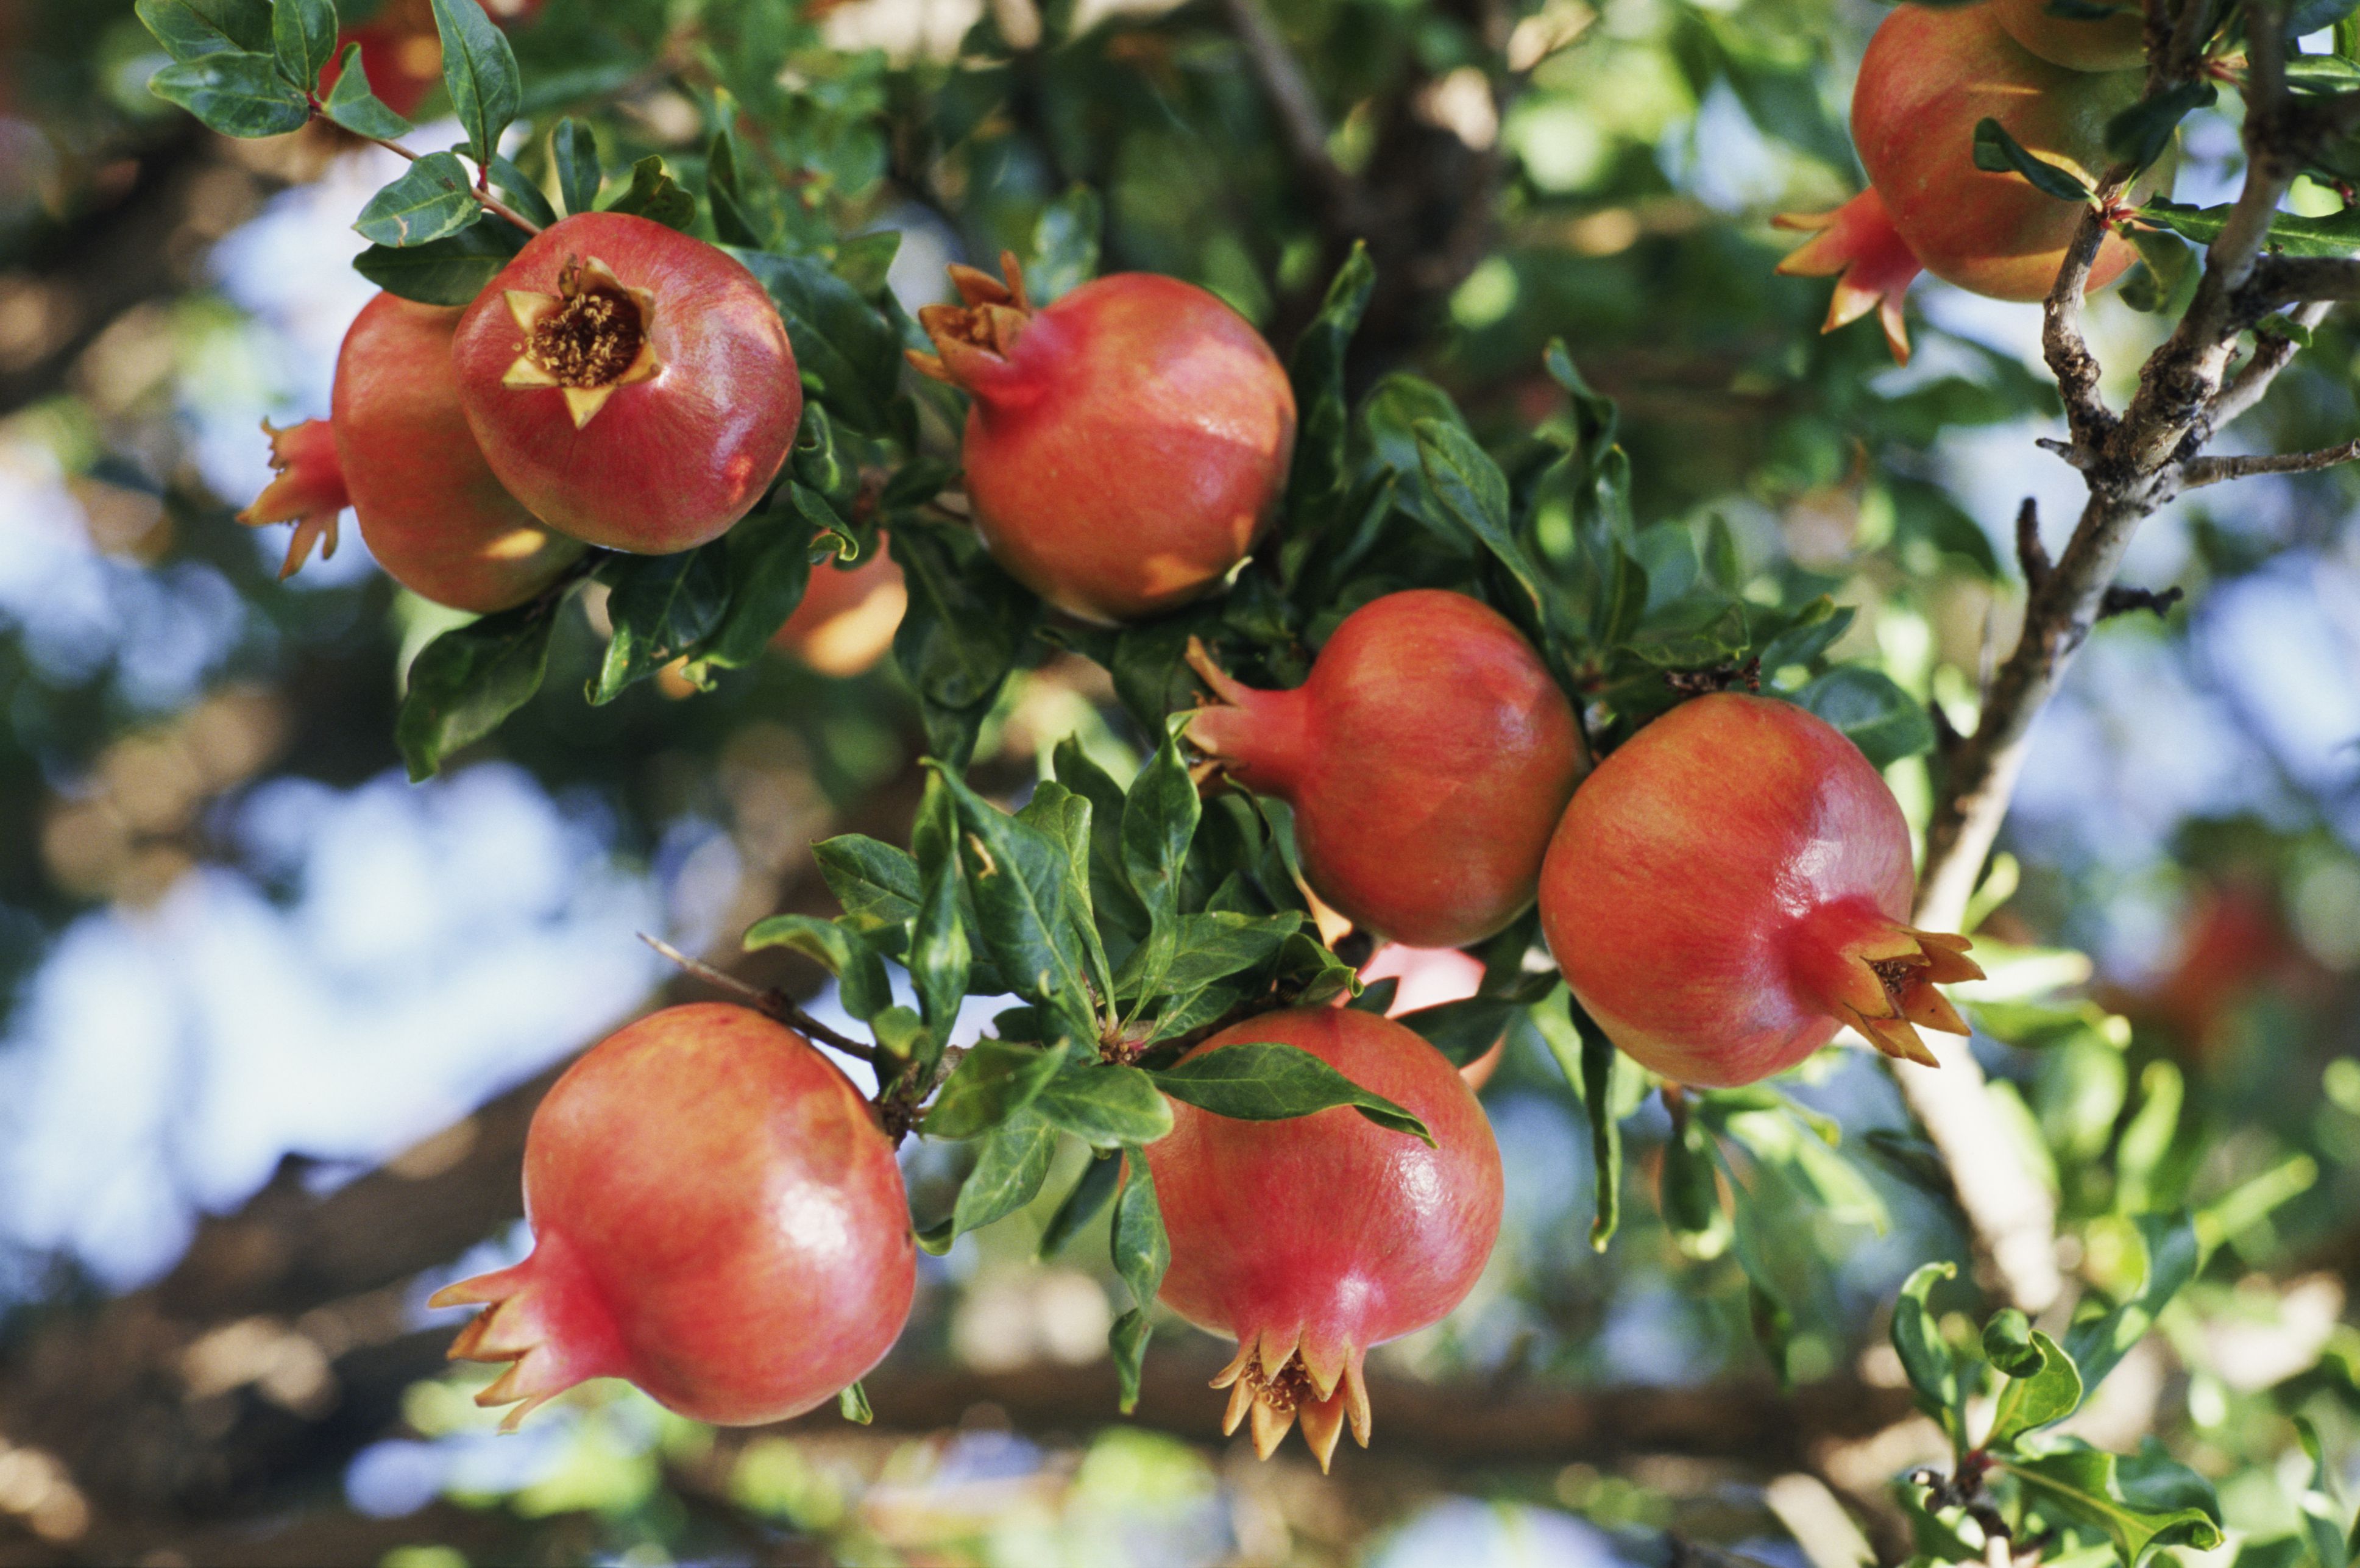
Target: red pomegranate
(1426, 759)
(1930, 75)
(2117, 42)
(847, 619)
(1125, 446)
(1432, 977)
(630, 384)
(402, 457)
(1313, 1239)
(716, 1216)
(1731, 886)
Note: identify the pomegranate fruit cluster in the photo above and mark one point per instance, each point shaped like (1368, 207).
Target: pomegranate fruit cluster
(618, 384)
(1931, 74)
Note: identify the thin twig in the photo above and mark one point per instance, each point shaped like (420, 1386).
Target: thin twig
(489, 203)
(2272, 353)
(775, 1003)
(2062, 343)
(2030, 553)
(2119, 600)
(1300, 119)
(2199, 471)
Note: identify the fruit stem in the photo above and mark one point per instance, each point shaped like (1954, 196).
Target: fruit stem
(775, 1003)
(489, 203)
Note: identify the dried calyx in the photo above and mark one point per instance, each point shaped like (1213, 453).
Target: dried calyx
(982, 328)
(1873, 266)
(308, 492)
(1269, 1382)
(592, 336)
(1890, 995)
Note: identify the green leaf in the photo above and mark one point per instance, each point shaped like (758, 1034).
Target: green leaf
(1214, 946)
(739, 218)
(2098, 1343)
(859, 971)
(2292, 234)
(2007, 1344)
(850, 355)
(959, 636)
(2142, 1504)
(940, 957)
(351, 105)
(1316, 368)
(2140, 134)
(432, 199)
(190, 30)
(1926, 1358)
(1811, 633)
(236, 94)
(1997, 152)
(1689, 1190)
(1106, 1105)
(522, 194)
(1470, 487)
(653, 195)
(2031, 1400)
(1065, 245)
(449, 272)
(1601, 1066)
(852, 1404)
(1090, 1194)
(1266, 1081)
(997, 1080)
(480, 71)
(2323, 1517)
(1885, 722)
(466, 680)
(877, 884)
(1065, 817)
(1010, 1163)
(1022, 880)
(303, 39)
(766, 559)
(573, 151)
(661, 606)
(1140, 1253)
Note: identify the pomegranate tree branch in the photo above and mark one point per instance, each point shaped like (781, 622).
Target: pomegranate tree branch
(775, 1003)
(2272, 353)
(2132, 464)
(2213, 470)
(1300, 119)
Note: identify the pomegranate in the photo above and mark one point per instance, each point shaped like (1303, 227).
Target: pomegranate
(402, 457)
(2117, 42)
(1930, 75)
(1313, 1239)
(1731, 886)
(1426, 759)
(1432, 977)
(716, 1216)
(630, 384)
(1125, 446)
(847, 619)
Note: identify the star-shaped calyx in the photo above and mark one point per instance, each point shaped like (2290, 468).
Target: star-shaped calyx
(592, 336)
(308, 489)
(976, 333)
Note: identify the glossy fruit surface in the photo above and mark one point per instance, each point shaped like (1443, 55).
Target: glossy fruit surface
(2117, 42)
(1428, 759)
(1731, 886)
(847, 619)
(1313, 1239)
(630, 384)
(1125, 445)
(716, 1216)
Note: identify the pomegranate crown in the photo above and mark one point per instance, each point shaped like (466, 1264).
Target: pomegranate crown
(1278, 1379)
(972, 338)
(592, 337)
(1879, 977)
(1873, 266)
(544, 1318)
(309, 490)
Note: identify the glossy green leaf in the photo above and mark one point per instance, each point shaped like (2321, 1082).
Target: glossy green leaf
(1926, 1358)
(303, 39)
(2098, 1343)
(1106, 1105)
(941, 958)
(1997, 152)
(661, 606)
(2292, 234)
(190, 30)
(1315, 367)
(236, 94)
(466, 680)
(766, 562)
(1885, 722)
(2142, 1503)
(1011, 1162)
(351, 105)
(1021, 881)
(1602, 1069)
(850, 356)
(1140, 1254)
(861, 983)
(2140, 134)
(574, 153)
(434, 198)
(993, 1083)
(653, 195)
(1266, 1081)
(1090, 1194)
(852, 1404)
(480, 71)
(877, 884)
(2030, 1401)
(448, 272)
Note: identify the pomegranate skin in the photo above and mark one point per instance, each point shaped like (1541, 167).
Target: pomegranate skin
(847, 619)
(1313, 1239)
(665, 420)
(1125, 446)
(1928, 77)
(2117, 43)
(1427, 758)
(434, 515)
(716, 1216)
(1731, 886)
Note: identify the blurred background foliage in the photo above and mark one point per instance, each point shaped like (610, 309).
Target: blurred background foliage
(274, 1017)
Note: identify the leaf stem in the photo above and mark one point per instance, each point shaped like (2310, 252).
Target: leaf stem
(774, 1003)
(490, 202)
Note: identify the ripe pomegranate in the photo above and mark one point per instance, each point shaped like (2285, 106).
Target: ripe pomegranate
(1929, 76)
(847, 619)
(1125, 446)
(1431, 977)
(716, 1216)
(1731, 886)
(401, 456)
(2116, 43)
(1313, 1239)
(1426, 759)
(630, 384)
